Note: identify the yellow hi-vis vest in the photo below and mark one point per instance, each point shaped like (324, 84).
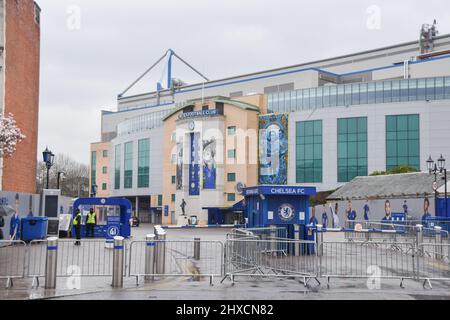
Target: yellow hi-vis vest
(75, 220)
(91, 218)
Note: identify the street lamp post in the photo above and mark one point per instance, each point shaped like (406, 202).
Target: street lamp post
(434, 167)
(49, 159)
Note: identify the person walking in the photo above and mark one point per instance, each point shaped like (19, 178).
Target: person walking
(91, 222)
(77, 225)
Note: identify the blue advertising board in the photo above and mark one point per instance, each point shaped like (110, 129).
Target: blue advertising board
(273, 149)
(194, 165)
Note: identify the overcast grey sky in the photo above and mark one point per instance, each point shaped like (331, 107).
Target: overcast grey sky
(86, 62)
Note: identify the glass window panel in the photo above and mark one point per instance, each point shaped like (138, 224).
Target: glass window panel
(333, 98)
(312, 98)
(413, 90)
(363, 93)
(430, 89)
(352, 149)
(342, 126)
(395, 91)
(391, 148)
(306, 99)
(413, 148)
(421, 89)
(413, 122)
(447, 87)
(326, 96)
(287, 98)
(402, 123)
(387, 87)
(352, 125)
(319, 97)
(379, 92)
(309, 159)
(348, 94)
(362, 124)
(371, 93)
(404, 93)
(340, 96)
(299, 105)
(355, 94)
(439, 93)
(391, 123)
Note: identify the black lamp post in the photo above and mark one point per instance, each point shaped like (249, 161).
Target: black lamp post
(434, 167)
(49, 159)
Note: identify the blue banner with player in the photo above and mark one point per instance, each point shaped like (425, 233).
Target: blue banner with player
(209, 164)
(273, 149)
(194, 166)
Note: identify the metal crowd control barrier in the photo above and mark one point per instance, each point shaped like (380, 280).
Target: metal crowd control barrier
(256, 258)
(92, 258)
(12, 261)
(196, 259)
(263, 233)
(363, 260)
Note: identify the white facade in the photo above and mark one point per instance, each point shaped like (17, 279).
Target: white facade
(155, 137)
(434, 118)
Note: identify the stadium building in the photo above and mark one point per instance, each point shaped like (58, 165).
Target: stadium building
(335, 119)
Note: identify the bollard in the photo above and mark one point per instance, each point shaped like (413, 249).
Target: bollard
(319, 240)
(438, 249)
(273, 242)
(197, 249)
(150, 257)
(117, 280)
(419, 237)
(51, 263)
(161, 252)
(297, 238)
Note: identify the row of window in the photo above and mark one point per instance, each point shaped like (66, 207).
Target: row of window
(143, 164)
(231, 177)
(402, 147)
(388, 91)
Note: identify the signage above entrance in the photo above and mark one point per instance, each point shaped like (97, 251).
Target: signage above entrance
(280, 190)
(198, 114)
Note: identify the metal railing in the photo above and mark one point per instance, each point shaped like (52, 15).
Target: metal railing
(271, 258)
(171, 258)
(362, 260)
(424, 256)
(12, 260)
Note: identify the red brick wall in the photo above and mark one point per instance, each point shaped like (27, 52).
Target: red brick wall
(22, 55)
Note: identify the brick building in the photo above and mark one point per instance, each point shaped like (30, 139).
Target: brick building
(19, 93)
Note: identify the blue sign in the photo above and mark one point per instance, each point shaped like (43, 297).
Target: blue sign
(194, 166)
(166, 211)
(280, 190)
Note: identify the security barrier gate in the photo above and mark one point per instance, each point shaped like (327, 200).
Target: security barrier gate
(424, 254)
